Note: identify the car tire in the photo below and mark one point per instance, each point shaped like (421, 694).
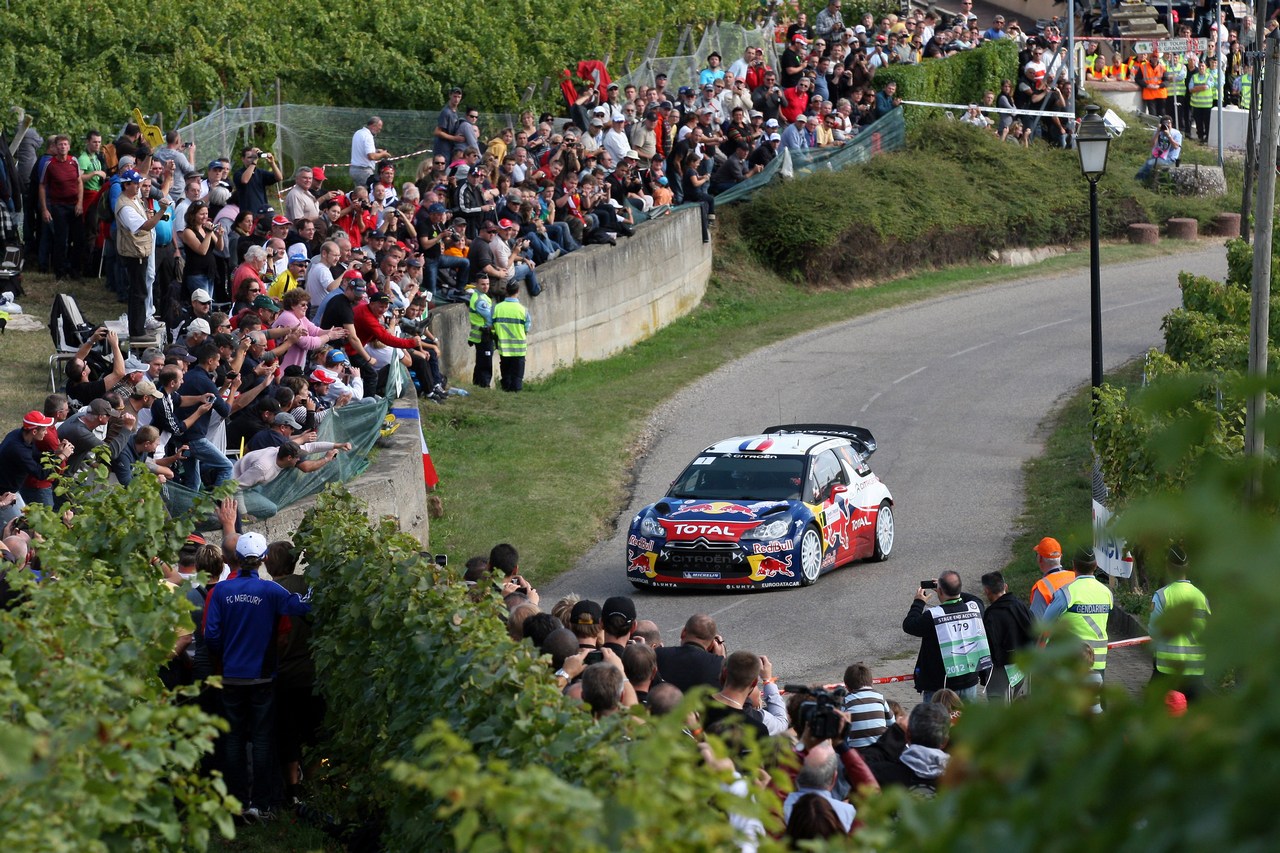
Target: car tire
(884, 535)
(811, 547)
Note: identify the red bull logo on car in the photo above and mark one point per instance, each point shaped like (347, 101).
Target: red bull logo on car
(764, 566)
(640, 542)
(643, 562)
(715, 508)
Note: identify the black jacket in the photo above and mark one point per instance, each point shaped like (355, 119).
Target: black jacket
(689, 665)
(930, 674)
(1008, 624)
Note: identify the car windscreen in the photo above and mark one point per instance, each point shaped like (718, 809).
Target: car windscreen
(741, 476)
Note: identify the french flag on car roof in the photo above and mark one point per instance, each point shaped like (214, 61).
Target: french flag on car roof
(756, 445)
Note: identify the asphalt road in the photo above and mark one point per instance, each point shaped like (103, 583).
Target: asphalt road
(954, 390)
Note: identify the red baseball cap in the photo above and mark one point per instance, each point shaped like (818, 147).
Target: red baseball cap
(282, 220)
(504, 224)
(317, 172)
(35, 420)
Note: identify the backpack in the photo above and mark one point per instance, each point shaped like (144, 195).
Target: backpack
(171, 306)
(104, 210)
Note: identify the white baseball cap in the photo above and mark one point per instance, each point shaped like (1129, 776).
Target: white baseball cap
(251, 545)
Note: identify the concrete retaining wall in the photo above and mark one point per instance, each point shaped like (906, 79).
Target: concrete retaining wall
(599, 300)
(393, 485)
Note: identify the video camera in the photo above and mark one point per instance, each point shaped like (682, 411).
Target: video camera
(820, 714)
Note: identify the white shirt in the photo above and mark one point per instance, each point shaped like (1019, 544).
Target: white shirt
(738, 69)
(319, 281)
(362, 145)
(617, 144)
(260, 466)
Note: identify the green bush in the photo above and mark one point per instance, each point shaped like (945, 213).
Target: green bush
(957, 79)
(441, 724)
(95, 754)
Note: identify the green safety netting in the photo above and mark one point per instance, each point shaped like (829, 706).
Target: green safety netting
(888, 133)
(358, 423)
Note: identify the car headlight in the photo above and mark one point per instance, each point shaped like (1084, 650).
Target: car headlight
(775, 529)
(649, 526)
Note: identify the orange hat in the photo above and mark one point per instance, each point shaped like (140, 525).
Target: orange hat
(1049, 549)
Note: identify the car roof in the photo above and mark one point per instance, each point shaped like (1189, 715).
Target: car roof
(785, 444)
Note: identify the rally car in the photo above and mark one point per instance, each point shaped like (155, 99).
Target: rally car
(769, 510)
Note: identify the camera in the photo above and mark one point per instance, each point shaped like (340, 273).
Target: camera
(594, 656)
(820, 713)
(929, 584)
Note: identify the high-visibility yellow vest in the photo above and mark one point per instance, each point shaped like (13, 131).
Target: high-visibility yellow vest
(509, 329)
(1088, 606)
(1204, 98)
(1181, 604)
(478, 322)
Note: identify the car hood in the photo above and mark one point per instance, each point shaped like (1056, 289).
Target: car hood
(679, 509)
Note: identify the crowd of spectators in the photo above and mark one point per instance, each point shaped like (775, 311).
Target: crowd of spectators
(849, 741)
(187, 248)
(1185, 86)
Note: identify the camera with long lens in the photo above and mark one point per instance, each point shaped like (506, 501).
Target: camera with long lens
(820, 714)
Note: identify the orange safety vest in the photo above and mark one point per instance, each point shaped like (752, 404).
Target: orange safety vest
(1152, 81)
(1051, 583)
(1119, 72)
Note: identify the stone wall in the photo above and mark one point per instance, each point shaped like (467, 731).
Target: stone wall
(599, 300)
(393, 485)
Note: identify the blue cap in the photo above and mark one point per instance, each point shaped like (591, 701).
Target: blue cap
(297, 258)
(437, 207)
(663, 181)
(215, 164)
(337, 356)
(129, 176)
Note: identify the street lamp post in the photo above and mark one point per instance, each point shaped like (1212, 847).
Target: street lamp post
(1092, 141)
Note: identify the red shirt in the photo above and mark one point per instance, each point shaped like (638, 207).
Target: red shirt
(796, 103)
(62, 181)
(369, 327)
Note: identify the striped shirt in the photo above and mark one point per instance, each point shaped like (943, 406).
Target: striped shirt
(869, 717)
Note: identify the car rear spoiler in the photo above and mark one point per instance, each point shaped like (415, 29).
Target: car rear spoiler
(860, 437)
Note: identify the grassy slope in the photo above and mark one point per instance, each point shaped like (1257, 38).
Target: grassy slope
(953, 195)
(1057, 484)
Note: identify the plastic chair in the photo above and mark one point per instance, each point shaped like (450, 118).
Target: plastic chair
(65, 349)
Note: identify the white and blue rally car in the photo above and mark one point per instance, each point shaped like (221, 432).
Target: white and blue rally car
(768, 510)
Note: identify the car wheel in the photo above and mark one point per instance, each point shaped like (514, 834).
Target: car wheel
(884, 532)
(810, 555)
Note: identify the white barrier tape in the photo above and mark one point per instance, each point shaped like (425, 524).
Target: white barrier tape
(1124, 644)
(981, 108)
(386, 160)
